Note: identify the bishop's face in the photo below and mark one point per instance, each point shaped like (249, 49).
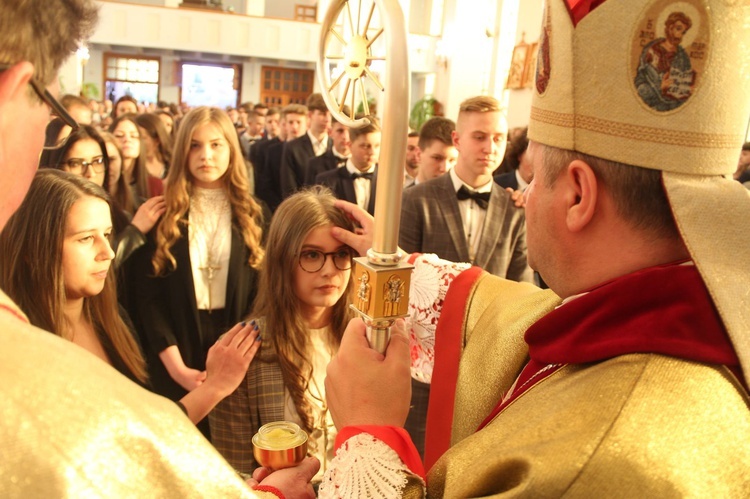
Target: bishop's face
(545, 220)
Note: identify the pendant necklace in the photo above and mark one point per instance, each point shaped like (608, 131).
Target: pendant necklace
(201, 204)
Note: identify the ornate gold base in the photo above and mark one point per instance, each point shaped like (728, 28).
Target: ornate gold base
(380, 295)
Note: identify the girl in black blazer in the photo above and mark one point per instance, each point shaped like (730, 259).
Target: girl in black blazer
(197, 276)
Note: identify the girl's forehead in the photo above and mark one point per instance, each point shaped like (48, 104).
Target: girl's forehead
(86, 144)
(208, 131)
(126, 125)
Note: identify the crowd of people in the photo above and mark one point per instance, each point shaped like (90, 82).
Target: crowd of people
(195, 252)
(173, 279)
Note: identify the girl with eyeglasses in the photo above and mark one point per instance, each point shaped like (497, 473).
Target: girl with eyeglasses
(84, 153)
(302, 310)
(198, 273)
(56, 264)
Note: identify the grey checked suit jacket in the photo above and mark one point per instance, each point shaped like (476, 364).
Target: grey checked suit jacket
(431, 223)
(258, 400)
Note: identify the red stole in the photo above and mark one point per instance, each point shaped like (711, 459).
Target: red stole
(663, 310)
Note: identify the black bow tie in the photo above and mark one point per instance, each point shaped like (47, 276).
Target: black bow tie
(355, 176)
(481, 198)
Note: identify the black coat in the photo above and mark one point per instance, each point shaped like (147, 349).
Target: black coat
(341, 183)
(165, 312)
(321, 164)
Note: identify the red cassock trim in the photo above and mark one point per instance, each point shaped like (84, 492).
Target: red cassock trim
(663, 310)
(448, 348)
(396, 438)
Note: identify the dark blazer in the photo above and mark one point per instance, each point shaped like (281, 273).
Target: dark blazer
(270, 188)
(342, 185)
(507, 179)
(320, 164)
(257, 156)
(297, 153)
(166, 313)
(431, 223)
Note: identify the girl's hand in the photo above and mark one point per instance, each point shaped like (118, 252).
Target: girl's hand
(149, 213)
(229, 358)
(190, 379)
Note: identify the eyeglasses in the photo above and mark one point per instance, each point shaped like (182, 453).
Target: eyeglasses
(46, 97)
(313, 260)
(80, 167)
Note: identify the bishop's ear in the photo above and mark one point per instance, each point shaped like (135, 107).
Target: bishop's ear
(581, 195)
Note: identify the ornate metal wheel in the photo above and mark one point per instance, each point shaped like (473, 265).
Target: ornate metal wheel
(353, 43)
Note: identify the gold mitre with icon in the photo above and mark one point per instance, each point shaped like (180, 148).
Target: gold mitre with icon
(661, 84)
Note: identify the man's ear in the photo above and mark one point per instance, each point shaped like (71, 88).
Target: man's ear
(454, 136)
(580, 195)
(14, 81)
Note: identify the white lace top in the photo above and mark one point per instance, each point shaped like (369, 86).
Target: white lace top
(210, 244)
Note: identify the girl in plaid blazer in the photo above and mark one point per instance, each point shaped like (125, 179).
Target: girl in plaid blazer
(302, 310)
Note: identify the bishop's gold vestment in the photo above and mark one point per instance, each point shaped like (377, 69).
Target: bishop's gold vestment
(72, 426)
(638, 425)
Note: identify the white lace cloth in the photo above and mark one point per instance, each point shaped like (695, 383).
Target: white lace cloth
(364, 467)
(429, 282)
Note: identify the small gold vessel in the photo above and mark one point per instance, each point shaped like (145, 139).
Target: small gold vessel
(279, 445)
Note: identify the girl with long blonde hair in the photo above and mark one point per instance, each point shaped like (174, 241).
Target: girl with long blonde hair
(198, 275)
(302, 310)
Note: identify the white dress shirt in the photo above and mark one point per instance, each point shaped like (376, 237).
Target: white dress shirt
(361, 185)
(472, 215)
(319, 146)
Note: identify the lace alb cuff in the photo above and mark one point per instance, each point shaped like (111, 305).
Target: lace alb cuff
(365, 467)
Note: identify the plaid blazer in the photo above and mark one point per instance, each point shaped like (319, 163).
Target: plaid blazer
(258, 400)
(431, 223)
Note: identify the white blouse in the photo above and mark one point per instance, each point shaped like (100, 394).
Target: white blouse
(324, 434)
(210, 245)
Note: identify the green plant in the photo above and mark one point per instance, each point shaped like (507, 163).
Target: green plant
(90, 91)
(424, 109)
(371, 104)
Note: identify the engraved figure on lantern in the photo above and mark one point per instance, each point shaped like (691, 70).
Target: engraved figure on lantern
(393, 292)
(363, 292)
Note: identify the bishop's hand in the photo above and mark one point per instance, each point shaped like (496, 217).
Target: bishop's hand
(364, 387)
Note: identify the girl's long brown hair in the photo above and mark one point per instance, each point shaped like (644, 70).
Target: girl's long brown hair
(154, 127)
(31, 247)
(246, 214)
(140, 174)
(278, 304)
(122, 195)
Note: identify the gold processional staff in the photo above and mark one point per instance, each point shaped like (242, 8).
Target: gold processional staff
(381, 289)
